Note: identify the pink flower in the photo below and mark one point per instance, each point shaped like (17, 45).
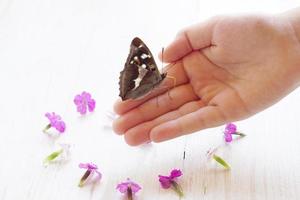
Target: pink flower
(84, 102)
(55, 122)
(129, 188)
(91, 170)
(168, 181)
(230, 130)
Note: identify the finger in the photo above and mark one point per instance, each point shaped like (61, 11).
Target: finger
(173, 70)
(206, 117)
(192, 38)
(155, 107)
(140, 133)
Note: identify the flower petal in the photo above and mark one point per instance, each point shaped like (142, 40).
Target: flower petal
(81, 109)
(227, 137)
(230, 128)
(91, 105)
(98, 175)
(175, 173)
(122, 187)
(78, 100)
(164, 181)
(92, 166)
(86, 96)
(56, 117)
(53, 118)
(135, 187)
(60, 126)
(48, 115)
(83, 165)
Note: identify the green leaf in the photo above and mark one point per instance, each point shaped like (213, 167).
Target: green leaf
(221, 161)
(52, 156)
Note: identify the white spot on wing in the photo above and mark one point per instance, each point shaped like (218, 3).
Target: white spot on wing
(144, 56)
(142, 73)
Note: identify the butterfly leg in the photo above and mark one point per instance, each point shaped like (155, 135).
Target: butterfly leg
(157, 102)
(156, 98)
(174, 84)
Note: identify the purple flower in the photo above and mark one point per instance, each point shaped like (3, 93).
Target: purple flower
(168, 181)
(91, 170)
(230, 130)
(128, 188)
(55, 122)
(83, 102)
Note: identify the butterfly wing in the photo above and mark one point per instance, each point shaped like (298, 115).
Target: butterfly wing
(140, 66)
(129, 73)
(149, 82)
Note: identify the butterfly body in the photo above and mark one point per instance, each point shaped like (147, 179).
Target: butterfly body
(140, 74)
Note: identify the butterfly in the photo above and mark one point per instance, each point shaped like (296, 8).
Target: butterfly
(140, 74)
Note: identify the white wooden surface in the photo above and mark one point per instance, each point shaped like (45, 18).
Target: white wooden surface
(52, 50)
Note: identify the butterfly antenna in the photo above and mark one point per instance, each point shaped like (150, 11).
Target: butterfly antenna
(162, 60)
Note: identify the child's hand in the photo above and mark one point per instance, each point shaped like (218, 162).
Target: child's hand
(227, 69)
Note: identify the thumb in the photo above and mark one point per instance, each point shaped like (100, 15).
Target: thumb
(189, 39)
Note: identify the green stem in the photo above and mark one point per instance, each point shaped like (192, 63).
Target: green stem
(46, 128)
(83, 178)
(129, 193)
(177, 188)
(239, 133)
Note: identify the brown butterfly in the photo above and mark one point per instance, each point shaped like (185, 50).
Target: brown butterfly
(140, 74)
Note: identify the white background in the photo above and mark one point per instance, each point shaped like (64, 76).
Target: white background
(52, 50)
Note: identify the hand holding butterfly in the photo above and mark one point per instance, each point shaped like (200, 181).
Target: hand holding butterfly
(227, 69)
